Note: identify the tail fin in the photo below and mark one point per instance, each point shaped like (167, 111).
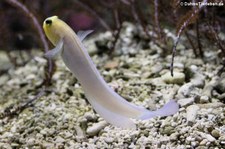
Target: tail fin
(112, 117)
(168, 109)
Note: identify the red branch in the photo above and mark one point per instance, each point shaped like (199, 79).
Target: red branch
(50, 63)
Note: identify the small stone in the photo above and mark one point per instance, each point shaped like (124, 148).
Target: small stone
(3, 79)
(174, 136)
(13, 129)
(198, 80)
(222, 139)
(80, 135)
(90, 116)
(167, 130)
(59, 140)
(177, 78)
(215, 133)
(111, 65)
(156, 68)
(95, 128)
(109, 140)
(43, 131)
(194, 144)
(204, 99)
(5, 145)
(221, 87)
(208, 88)
(191, 113)
(203, 142)
(130, 75)
(207, 136)
(30, 141)
(185, 90)
(186, 101)
(67, 134)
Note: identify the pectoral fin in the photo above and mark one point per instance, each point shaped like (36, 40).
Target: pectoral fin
(57, 50)
(83, 34)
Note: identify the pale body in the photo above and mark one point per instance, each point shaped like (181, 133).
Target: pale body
(107, 103)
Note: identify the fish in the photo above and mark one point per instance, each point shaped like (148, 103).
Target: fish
(105, 101)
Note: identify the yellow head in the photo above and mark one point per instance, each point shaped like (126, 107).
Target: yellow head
(51, 27)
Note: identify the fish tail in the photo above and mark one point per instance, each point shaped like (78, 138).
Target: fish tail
(169, 108)
(112, 117)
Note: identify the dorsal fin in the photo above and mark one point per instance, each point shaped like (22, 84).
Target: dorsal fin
(83, 34)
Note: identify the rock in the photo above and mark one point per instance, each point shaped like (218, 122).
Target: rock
(178, 78)
(80, 134)
(207, 90)
(155, 69)
(59, 140)
(221, 97)
(168, 130)
(109, 140)
(203, 142)
(90, 116)
(95, 128)
(130, 75)
(186, 101)
(204, 99)
(5, 145)
(215, 133)
(185, 90)
(4, 61)
(3, 79)
(31, 142)
(111, 65)
(191, 113)
(67, 135)
(174, 136)
(178, 65)
(207, 136)
(198, 80)
(222, 139)
(220, 87)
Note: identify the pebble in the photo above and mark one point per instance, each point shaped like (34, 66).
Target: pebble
(90, 116)
(186, 101)
(156, 68)
(95, 128)
(80, 134)
(3, 79)
(207, 136)
(215, 133)
(203, 142)
(191, 113)
(5, 145)
(204, 99)
(198, 80)
(59, 140)
(168, 130)
(207, 90)
(111, 65)
(221, 87)
(177, 78)
(174, 136)
(185, 90)
(30, 141)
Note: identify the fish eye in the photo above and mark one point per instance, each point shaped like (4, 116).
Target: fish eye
(48, 22)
